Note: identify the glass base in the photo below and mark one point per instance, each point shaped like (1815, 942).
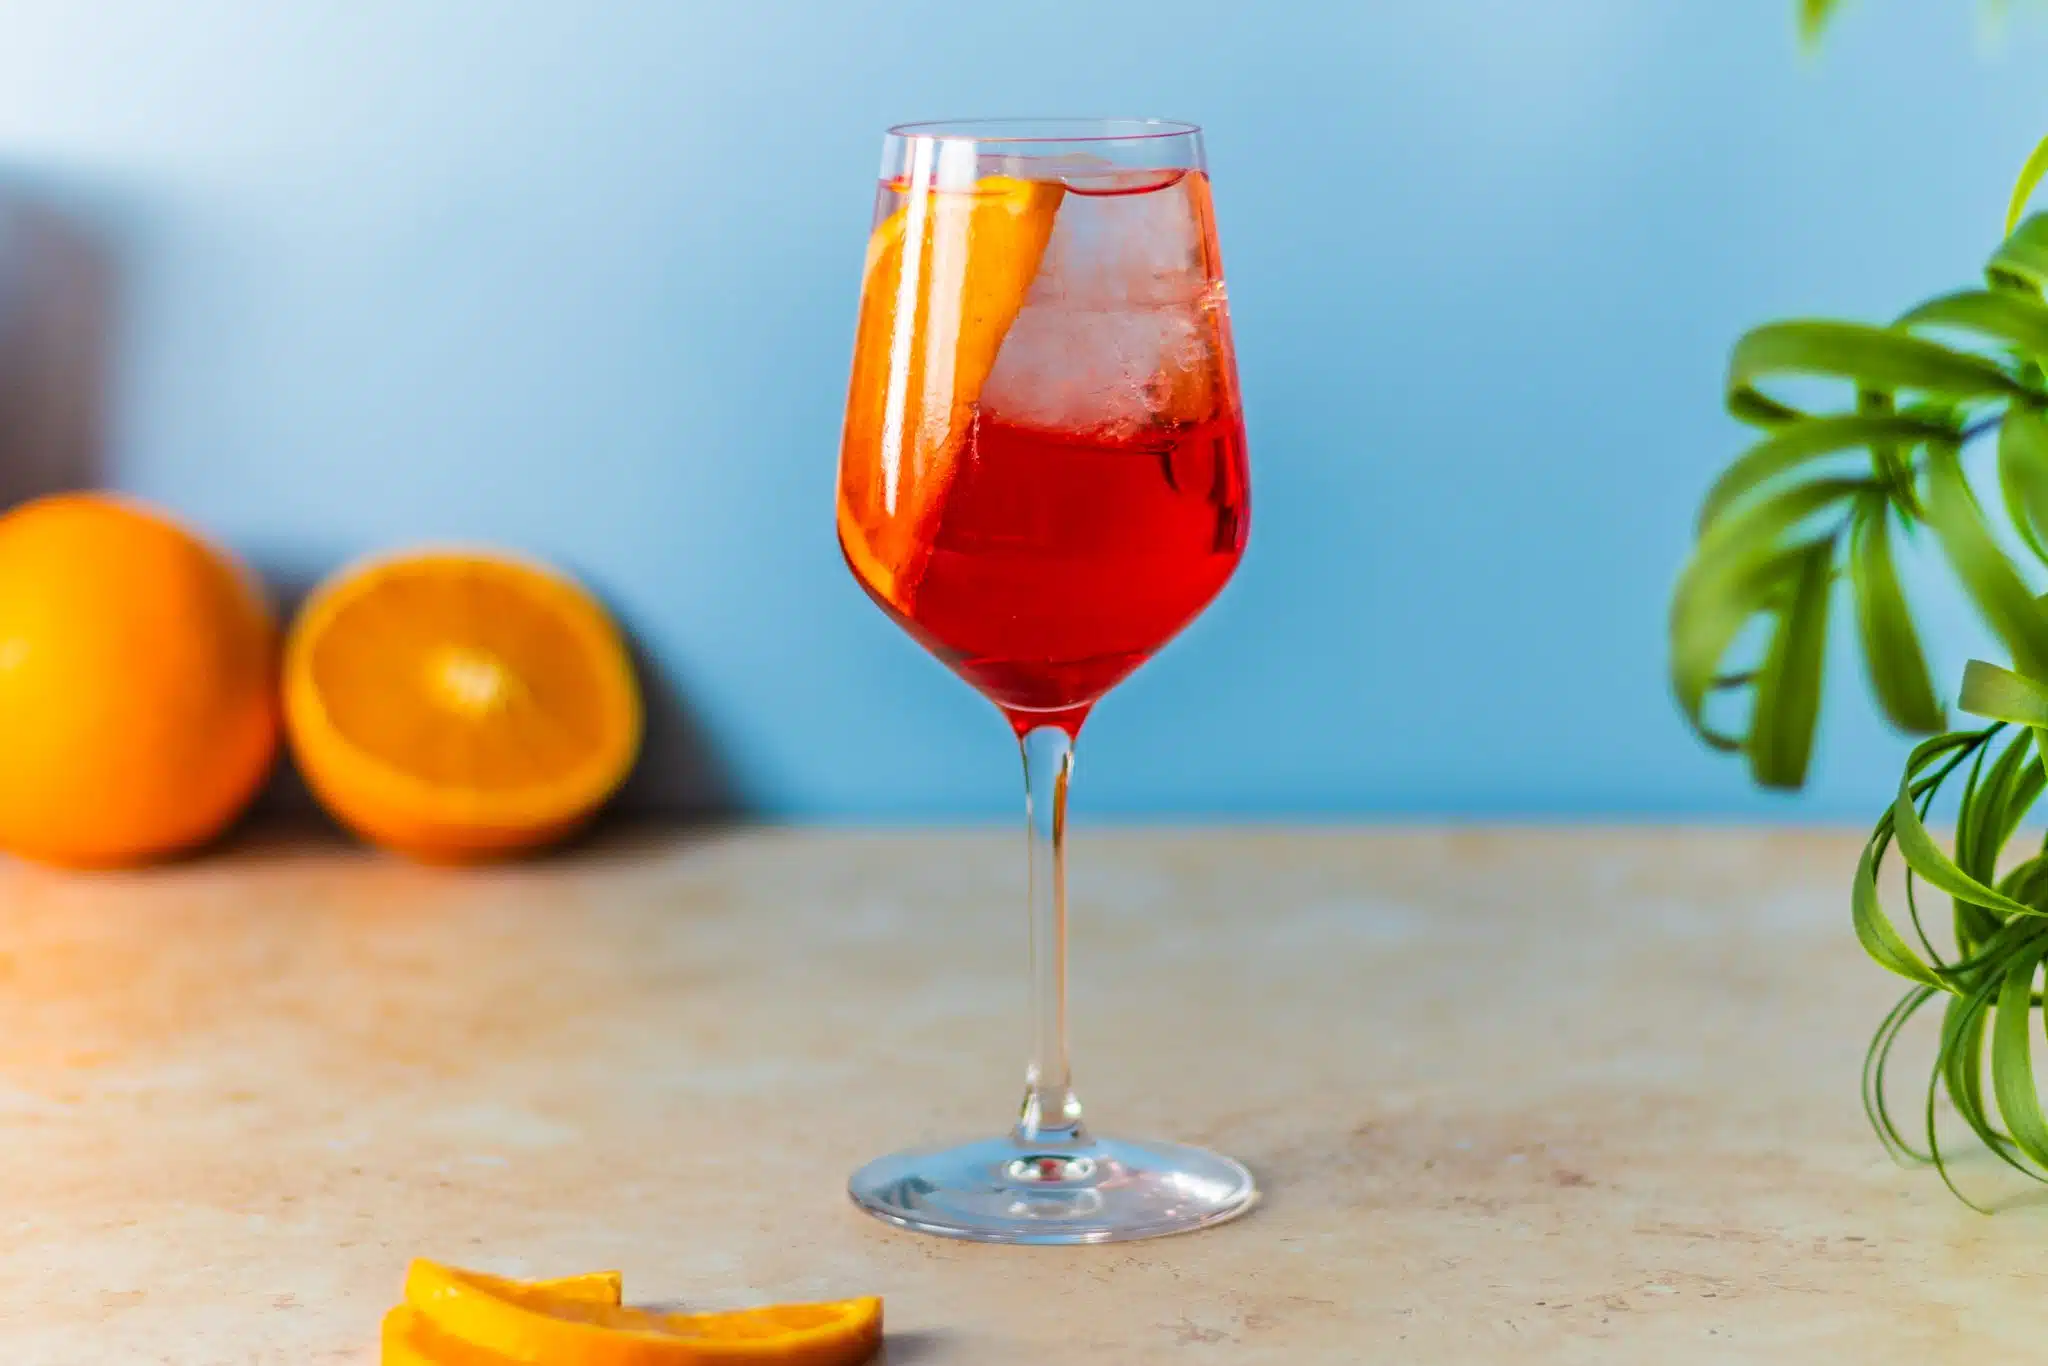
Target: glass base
(1084, 1190)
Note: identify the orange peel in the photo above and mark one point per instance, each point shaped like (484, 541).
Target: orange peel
(453, 1317)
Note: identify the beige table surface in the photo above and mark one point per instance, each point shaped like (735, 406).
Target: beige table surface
(1555, 1096)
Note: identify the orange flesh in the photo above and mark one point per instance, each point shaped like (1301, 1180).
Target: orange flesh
(455, 704)
(929, 332)
(499, 695)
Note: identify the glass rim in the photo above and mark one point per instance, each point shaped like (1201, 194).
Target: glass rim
(1058, 129)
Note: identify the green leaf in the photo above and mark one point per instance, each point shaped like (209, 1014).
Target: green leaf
(1874, 928)
(2028, 880)
(1707, 615)
(1873, 357)
(2028, 780)
(2023, 474)
(1963, 1051)
(1891, 646)
(2012, 1064)
(1761, 525)
(2002, 695)
(1876, 1059)
(1928, 860)
(1994, 808)
(1992, 949)
(2023, 189)
(1975, 926)
(1739, 570)
(2019, 320)
(1813, 18)
(1892, 462)
(1742, 556)
(1788, 688)
(1810, 439)
(1960, 1065)
(2022, 259)
(1999, 593)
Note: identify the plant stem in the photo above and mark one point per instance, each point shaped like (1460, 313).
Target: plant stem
(1980, 427)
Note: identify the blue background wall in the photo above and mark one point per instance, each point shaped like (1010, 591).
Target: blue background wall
(580, 277)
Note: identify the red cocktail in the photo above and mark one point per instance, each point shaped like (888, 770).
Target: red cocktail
(1043, 480)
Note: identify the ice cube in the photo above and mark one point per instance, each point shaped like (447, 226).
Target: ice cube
(1122, 249)
(1107, 371)
(1118, 331)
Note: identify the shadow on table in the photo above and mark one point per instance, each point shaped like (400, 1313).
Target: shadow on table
(917, 1345)
(2031, 1197)
(681, 778)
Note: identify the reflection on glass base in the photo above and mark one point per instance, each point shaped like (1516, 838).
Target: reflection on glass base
(1092, 1190)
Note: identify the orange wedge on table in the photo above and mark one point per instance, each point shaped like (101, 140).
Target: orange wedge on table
(947, 273)
(462, 1318)
(455, 705)
(410, 1340)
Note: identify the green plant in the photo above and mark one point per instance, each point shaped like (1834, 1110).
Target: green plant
(1821, 499)
(1814, 15)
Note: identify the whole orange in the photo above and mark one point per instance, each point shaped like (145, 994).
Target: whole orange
(138, 709)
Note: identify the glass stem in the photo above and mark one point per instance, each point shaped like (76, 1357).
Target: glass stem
(1050, 1113)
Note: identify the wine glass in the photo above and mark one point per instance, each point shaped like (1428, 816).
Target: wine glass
(1042, 480)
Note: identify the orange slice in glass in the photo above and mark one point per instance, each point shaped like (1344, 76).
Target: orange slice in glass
(457, 704)
(946, 276)
(512, 1321)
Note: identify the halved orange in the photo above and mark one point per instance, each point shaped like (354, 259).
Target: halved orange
(459, 704)
(511, 1321)
(946, 276)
